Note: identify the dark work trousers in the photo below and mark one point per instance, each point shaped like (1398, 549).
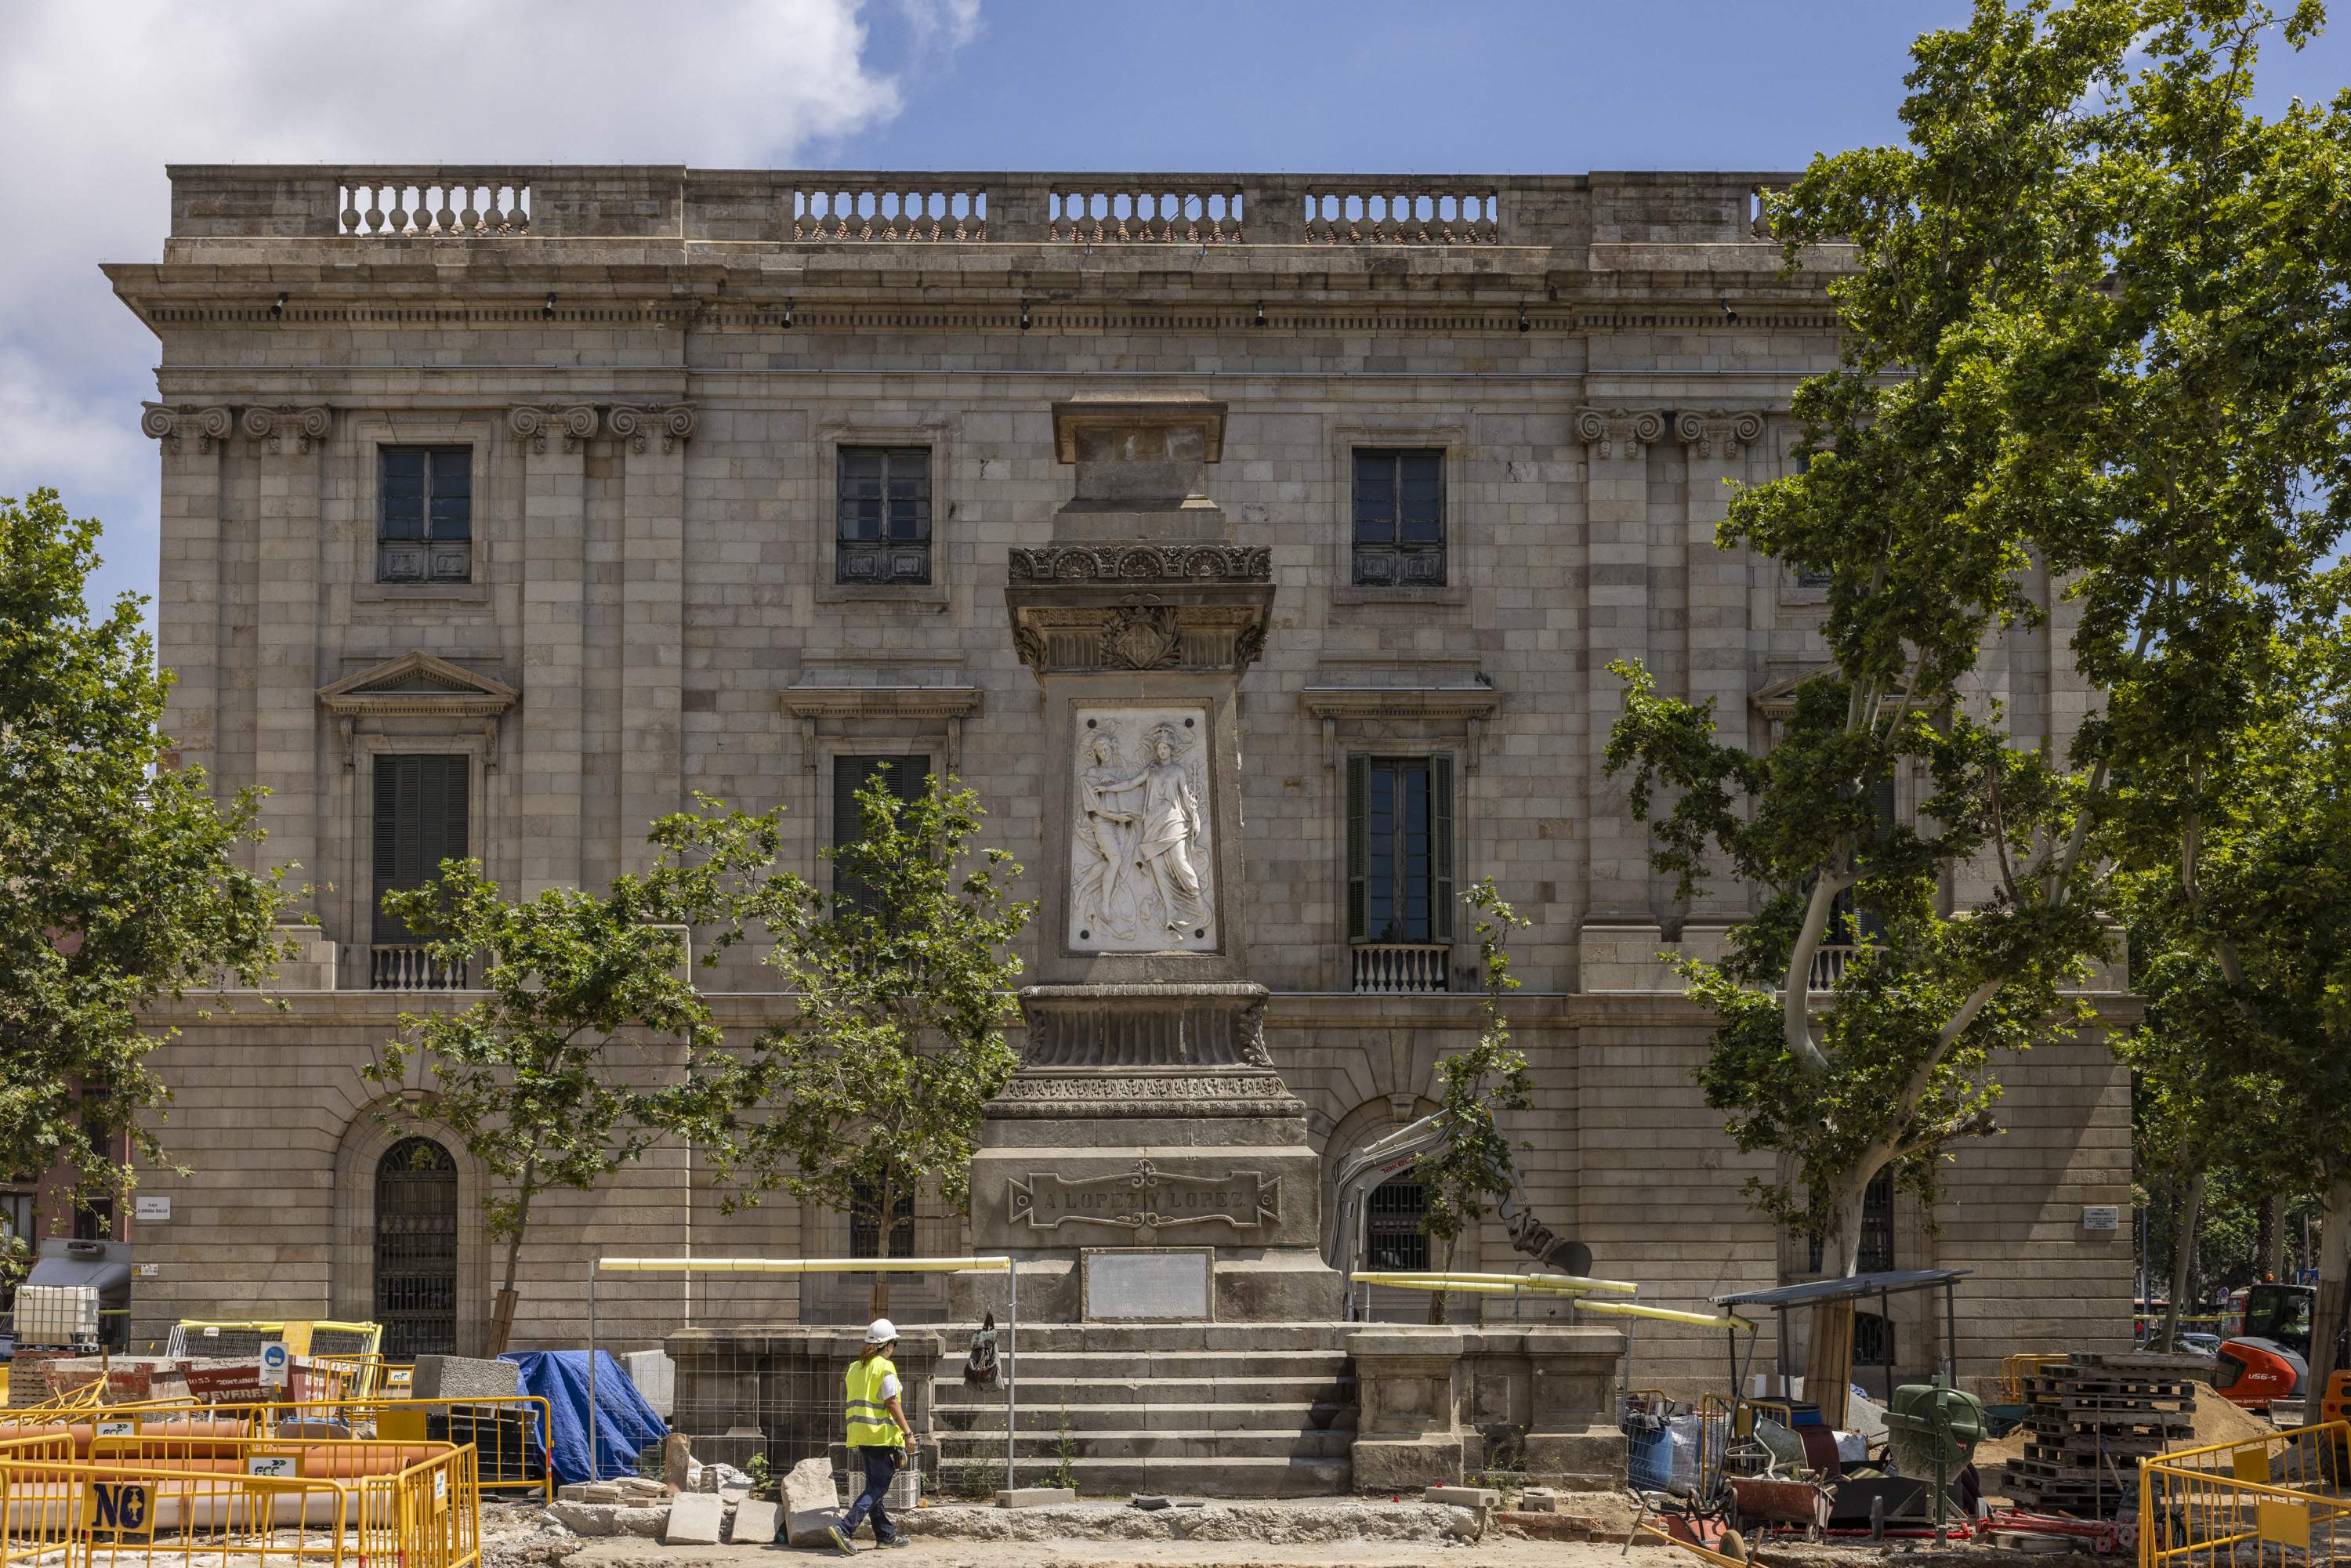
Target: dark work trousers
(880, 1469)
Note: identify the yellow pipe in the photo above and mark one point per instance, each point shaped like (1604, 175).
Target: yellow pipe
(1664, 1314)
(1441, 1282)
(1532, 1282)
(997, 1265)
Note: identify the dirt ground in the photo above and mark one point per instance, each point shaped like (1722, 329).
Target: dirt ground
(936, 1553)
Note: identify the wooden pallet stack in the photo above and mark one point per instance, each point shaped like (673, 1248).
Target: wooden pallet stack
(2090, 1420)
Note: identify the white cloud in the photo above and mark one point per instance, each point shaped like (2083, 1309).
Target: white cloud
(96, 96)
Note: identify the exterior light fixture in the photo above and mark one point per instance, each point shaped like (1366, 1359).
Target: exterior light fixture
(278, 309)
(1524, 324)
(788, 314)
(547, 310)
(1260, 315)
(1024, 315)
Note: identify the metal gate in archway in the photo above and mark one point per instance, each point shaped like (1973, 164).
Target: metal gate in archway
(416, 1249)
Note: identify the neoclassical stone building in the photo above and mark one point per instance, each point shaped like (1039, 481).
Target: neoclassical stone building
(504, 509)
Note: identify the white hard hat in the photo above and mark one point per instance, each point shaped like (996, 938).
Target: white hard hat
(880, 1330)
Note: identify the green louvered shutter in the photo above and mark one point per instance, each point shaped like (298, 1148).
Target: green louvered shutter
(1440, 847)
(1359, 846)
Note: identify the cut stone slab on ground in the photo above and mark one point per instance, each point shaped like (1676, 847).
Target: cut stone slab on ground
(756, 1520)
(811, 1503)
(694, 1519)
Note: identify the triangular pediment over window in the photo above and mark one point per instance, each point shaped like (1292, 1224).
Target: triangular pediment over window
(417, 684)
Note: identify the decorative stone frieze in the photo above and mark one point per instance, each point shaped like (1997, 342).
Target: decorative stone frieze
(1043, 1096)
(1720, 434)
(1140, 563)
(176, 426)
(575, 424)
(635, 423)
(1145, 1200)
(1160, 1027)
(271, 427)
(1618, 433)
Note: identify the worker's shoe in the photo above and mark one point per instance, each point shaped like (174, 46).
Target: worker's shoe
(898, 1540)
(839, 1541)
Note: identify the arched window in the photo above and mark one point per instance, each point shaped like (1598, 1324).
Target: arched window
(416, 1249)
(1393, 1239)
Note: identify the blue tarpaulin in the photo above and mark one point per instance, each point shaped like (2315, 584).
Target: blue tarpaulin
(624, 1422)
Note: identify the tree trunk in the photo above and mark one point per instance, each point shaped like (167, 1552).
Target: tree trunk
(2268, 1252)
(2326, 1312)
(1436, 1297)
(2187, 1210)
(502, 1313)
(877, 1298)
(1828, 1354)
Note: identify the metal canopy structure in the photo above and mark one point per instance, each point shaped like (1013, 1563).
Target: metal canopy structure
(1884, 1285)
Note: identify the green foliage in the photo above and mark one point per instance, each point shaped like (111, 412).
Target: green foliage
(904, 990)
(119, 881)
(2096, 328)
(1464, 1174)
(592, 1044)
(1064, 1473)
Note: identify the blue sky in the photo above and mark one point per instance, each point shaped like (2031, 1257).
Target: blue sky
(95, 99)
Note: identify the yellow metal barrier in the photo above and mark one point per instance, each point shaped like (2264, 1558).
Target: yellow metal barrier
(511, 1434)
(2204, 1507)
(2015, 1369)
(269, 1504)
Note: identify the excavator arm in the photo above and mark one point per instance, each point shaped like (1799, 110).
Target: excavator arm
(1365, 1169)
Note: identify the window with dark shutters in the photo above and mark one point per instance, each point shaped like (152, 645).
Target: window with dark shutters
(907, 778)
(1399, 517)
(424, 514)
(865, 1233)
(1399, 849)
(419, 821)
(881, 515)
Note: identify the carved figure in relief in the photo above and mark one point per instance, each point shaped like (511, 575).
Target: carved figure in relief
(1170, 830)
(1102, 853)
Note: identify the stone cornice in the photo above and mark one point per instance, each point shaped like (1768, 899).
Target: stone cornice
(417, 684)
(1620, 434)
(1479, 702)
(882, 702)
(1140, 563)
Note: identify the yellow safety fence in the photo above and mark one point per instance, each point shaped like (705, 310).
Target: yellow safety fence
(2204, 1507)
(2015, 1369)
(510, 1435)
(199, 1500)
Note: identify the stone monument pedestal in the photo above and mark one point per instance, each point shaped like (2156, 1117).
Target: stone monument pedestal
(1146, 1164)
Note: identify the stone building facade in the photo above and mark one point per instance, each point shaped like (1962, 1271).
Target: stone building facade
(504, 509)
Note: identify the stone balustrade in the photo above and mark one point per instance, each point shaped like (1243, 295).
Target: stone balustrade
(801, 207)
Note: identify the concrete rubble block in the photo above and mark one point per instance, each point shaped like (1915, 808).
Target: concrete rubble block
(694, 1519)
(811, 1503)
(655, 1376)
(608, 1519)
(755, 1521)
(464, 1377)
(1538, 1500)
(641, 1489)
(1463, 1496)
(677, 1463)
(1036, 1497)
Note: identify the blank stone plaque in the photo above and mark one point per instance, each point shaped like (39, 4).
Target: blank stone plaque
(1161, 1284)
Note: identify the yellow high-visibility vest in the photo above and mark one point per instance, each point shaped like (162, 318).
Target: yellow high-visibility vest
(870, 1425)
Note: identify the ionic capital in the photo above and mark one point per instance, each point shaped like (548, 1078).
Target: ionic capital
(1616, 433)
(575, 424)
(1718, 432)
(634, 422)
(174, 424)
(271, 426)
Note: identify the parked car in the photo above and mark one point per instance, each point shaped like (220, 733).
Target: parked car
(2200, 1344)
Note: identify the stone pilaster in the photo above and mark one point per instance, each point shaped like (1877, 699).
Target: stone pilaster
(188, 591)
(1407, 1423)
(1616, 510)
(653, 582)
(554, 445)
(289, 445)
(1716, 445)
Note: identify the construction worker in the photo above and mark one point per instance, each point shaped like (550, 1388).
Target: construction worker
(879, 1437)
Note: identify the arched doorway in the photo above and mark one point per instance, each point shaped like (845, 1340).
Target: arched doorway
(416, 1249)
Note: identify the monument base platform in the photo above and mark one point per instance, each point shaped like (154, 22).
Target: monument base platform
(1135, 1285)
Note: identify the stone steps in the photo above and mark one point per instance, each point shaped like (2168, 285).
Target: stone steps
(1239, 1410)
(1038, 1441)
(1303, 1416)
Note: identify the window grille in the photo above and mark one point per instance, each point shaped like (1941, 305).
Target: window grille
(416, 1249)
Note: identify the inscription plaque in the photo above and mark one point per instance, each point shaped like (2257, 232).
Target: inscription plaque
(1171, 1285)
(1144, 1200)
